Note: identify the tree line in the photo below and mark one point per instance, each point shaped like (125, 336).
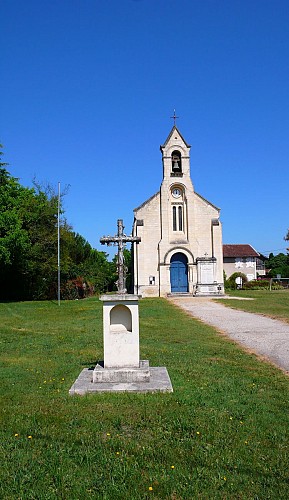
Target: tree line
(277, 264)
(28, 247)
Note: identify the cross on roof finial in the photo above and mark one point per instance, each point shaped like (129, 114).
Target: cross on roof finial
(174, 117)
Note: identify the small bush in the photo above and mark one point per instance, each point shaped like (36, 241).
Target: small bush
(277, 286)
(257, 285)
(76, 289)
(231, 282)
(262, 285)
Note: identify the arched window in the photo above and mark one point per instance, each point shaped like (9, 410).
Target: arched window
(176, 163)
(180, 214)
(174, 218)
(178, 218)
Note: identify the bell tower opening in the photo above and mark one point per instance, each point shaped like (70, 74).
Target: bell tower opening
(176, 164)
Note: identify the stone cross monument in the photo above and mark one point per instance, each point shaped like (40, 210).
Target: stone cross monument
(120, 322)
(120, 239)
(121, 369)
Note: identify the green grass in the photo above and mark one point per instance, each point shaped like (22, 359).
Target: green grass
(274, 304)
(222, 434)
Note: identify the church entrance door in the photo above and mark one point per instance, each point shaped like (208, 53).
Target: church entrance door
(179, 273)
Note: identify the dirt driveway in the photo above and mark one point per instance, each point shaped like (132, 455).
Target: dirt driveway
(265, 336)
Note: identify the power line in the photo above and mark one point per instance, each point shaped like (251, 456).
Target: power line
(272, 251)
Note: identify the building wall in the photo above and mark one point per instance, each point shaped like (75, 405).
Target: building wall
(242, 265)
(199, 234)
(146, 253)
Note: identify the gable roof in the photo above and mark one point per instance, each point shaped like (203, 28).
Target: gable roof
(206, 201)
(174, 129)
(239, 251)
(146, 201)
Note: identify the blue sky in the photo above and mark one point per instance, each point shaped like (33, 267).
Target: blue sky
(88, 88)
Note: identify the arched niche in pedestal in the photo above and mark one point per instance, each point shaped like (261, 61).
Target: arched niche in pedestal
(120, 319)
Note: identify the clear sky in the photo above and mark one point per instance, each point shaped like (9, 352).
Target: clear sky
(88, 88)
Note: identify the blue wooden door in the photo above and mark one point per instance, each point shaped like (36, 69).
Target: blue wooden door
(179, 273)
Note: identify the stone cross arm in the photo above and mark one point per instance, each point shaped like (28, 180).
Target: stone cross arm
(116, 239)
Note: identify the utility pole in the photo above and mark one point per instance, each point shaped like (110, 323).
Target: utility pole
(58, 246)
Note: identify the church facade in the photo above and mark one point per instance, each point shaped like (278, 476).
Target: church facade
(181, 234)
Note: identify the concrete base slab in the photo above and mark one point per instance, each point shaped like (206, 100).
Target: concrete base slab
(115, 375)
(159, 382)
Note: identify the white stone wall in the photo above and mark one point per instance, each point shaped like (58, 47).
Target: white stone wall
(240, 265)
(160, 239)
(146, 252)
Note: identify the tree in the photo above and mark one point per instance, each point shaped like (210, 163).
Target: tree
(4, 174)
(231, 282)
(278, 264)
(14, 240)
(28, 240)
(80, 263)
(28, 247)
(286, 238)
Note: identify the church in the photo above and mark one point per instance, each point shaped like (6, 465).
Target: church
(180, 251)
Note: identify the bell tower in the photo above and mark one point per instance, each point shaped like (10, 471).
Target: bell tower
(176, 157)
(176, 190)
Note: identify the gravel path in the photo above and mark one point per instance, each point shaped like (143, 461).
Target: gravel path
(266, 336)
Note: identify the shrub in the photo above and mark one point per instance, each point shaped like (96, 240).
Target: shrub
(262, 285)
(257, 285)
(277, 286)
(231, 282)
(76, 289)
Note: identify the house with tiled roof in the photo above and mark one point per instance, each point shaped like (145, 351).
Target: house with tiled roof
(244, 259)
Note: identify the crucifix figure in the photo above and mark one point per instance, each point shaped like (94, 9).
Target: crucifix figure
(120, 239)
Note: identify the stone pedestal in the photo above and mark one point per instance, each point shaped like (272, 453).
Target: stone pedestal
(121, 342)
(120, 331)
(206, 281)
(121, 370)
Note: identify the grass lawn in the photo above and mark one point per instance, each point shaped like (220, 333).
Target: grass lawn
(274, 304)
(223, 433)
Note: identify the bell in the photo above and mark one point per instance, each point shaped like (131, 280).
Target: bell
(176, 165)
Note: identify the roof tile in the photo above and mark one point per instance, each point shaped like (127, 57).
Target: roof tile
(239, 251)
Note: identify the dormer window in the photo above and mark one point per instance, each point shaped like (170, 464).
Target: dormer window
(176, 163)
